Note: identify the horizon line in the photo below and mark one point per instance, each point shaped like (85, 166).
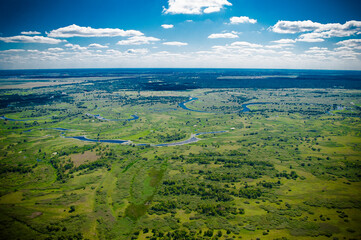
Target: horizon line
(195, 68)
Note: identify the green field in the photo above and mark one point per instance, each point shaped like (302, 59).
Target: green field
(288, 169)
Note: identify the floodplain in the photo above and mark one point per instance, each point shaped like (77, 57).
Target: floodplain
(267, 163)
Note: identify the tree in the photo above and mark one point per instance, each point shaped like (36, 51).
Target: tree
(72, 209)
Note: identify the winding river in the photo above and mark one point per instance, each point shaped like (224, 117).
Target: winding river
(83, 138)
(97, 116)
(60, 129)
(245, 108)
(183, 105)
(18, 120)
(192, 139)
(134, 117)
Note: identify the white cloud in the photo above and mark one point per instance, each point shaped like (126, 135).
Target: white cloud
(280, 45)
(138, 40)
(195, 6)
(77, 31)
(30, 39)
(236, 55)
(30, 33)
(273, 55)
(248, 49)
(12, 51)
(318, 51)
(341, 30)
(341, 54)
(175, 43)
(167, 26)
(285, 41)
(75, 47)
(317, 31)
(351, 43)
(310, 37)
(55, 49)
(96, 45)
(212, 9)
(319, 36)
(246, 44)
(114, 52)
(242, 19)
(137, 51)
(223, 35)
(295, 26)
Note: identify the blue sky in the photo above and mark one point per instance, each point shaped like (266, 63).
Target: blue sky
(180, 33)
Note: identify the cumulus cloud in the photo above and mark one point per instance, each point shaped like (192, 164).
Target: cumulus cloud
(295, 26)
(243, 49)
(310, 37)
(338, 53)
(137, 51)
(350, 27)
(113, 52)
(351, 43)
(96, 45)
(30, 39)
(55, 49)
(167, 26)
(223, 35)
(242, 19)
(318, 51)
(317, 36)
(246, 44)
(275, 53)
(280, 45)
(238, 54)
(75, 47)
(195, 6)
(77, 31)
(317, 31)
(285, 41)
(12, 51)
(138, 40)
(30, 33)
(249, 49)
(212, 9)
(175, 43)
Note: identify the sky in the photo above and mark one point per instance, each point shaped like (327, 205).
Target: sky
(283, 34)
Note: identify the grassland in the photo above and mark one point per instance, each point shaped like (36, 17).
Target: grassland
(289, 169)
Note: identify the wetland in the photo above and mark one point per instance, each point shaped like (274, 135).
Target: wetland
(181, 154)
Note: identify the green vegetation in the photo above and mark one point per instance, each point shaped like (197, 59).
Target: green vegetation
(288, 169)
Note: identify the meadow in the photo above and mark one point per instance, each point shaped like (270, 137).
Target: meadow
(287, 169)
